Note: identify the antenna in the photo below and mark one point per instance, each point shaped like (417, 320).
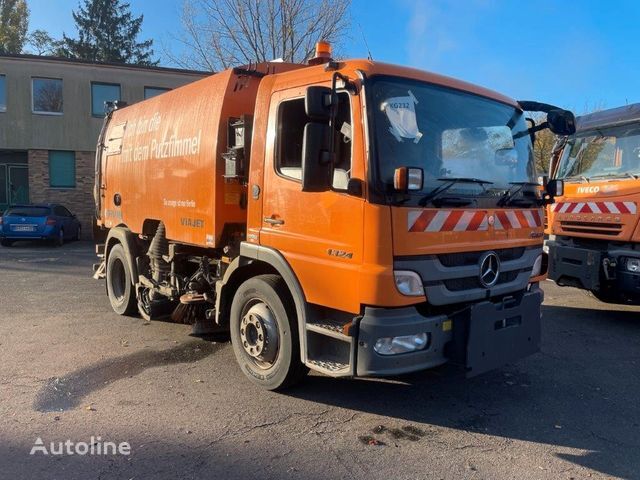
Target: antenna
(364, 39)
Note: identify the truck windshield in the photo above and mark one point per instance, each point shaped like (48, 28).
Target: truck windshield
(448, 134)
(602, 153)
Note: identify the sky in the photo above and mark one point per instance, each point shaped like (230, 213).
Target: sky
(581, 55)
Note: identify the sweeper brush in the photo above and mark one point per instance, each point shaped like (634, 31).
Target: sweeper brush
(192, 307)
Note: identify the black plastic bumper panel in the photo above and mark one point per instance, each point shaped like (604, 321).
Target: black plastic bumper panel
(502, 333)
(384, 322)
(481, 337)
(574, 266)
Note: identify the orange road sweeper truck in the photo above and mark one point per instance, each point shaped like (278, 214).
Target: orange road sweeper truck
(353, 217)
(594, 241)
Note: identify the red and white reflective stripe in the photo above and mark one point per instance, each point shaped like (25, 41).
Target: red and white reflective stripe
(509, 219)
(447, 220)
(595, 207)
(471, 220)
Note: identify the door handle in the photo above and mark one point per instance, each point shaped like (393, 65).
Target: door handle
(273, 221)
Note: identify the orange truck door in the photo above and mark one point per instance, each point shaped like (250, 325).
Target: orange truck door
(319, 234)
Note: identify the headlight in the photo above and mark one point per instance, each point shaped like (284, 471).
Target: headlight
(408, 283)
(632, 265)
(404, 344)
(537, 267)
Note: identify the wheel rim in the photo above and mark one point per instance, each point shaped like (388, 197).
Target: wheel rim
(118, 280)
(259, 334)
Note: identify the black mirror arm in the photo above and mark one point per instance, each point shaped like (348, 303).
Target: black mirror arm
(529, 106)
(334, 113)
(532, 130)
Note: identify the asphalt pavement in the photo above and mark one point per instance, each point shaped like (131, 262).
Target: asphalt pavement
(72, 370)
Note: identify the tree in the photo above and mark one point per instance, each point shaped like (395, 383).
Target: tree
(107, 32)
(543, 146)
(218, 34)
(14, 21)
(42, 43)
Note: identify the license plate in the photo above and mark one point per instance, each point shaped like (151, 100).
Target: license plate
(23, 228)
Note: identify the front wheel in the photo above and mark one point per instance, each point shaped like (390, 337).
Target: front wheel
(264, 333)
(6, 243)
(120, 289)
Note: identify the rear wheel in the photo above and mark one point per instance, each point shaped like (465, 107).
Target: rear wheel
(264, 333)
(78, 233)
(119, 286)
(60, 238)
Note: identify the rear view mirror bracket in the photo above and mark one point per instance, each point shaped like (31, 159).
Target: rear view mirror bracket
(561, 122)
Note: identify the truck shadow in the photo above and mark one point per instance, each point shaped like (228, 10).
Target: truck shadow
(67, 392)
(576, 393)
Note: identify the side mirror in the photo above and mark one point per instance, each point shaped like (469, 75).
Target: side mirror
(318, 102)
(316, 161)
(506, 157)
(407, 179)
(543, 180)
(561, 122)
(532, 125)
(555, 187)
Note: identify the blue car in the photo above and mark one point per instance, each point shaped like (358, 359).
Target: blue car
(38, 222)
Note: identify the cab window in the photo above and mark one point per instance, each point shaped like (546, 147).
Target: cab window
(291, 122)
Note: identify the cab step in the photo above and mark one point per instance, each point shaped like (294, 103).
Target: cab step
(329, 328)
(329, 347)
(332, 368)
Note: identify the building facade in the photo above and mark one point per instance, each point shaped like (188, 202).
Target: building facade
(51, 113)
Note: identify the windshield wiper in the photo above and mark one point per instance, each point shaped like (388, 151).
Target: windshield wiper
(516, 188)
(581, 177)
(613, 175)
(452, 181)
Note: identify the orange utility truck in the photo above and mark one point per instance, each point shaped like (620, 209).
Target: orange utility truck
(594, 241)
(352, 217)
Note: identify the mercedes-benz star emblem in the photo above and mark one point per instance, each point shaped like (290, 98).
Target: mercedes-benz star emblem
(489, 269)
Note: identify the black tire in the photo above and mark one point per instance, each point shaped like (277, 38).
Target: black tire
(285, 369)
(119, 286)
(603, 296)
(60, 238)
(78, 233)
(6, 242)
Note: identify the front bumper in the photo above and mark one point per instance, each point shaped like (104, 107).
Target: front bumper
(594, 270)
(480, 337)
(573, 266)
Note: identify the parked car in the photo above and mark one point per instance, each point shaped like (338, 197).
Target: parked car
(38, 222)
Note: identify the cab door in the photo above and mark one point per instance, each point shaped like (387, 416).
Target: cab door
(318, 233)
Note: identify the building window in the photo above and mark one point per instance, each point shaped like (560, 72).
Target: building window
(101, 93)
(62, 169)
(3, 93)
(150, 92)
(47, 95)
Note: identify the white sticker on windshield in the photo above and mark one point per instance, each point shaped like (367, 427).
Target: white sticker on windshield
(401, 112)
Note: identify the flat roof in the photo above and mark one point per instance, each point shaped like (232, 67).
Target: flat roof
(75, 61)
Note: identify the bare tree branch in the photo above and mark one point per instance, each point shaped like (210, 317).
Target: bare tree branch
(218, 34)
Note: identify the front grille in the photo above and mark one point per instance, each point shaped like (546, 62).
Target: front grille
(593, 228)
(469, 283)
(473, 258)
